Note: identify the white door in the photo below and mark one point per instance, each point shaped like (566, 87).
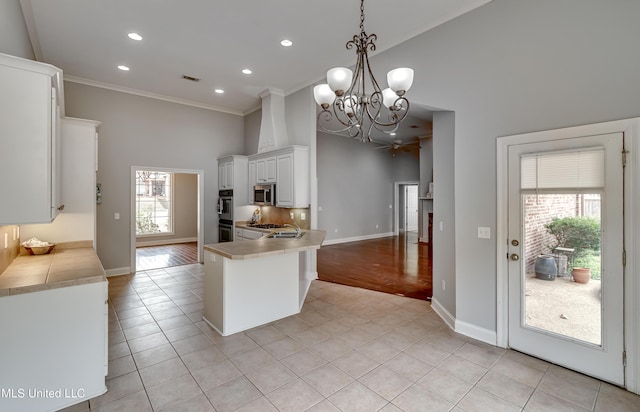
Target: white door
(552, 317)
(411, 207)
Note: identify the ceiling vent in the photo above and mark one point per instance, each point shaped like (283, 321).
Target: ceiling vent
(190, 78)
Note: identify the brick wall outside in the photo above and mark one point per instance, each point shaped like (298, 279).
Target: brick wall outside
(540, 210)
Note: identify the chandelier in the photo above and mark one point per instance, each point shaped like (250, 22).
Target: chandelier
(345, 98)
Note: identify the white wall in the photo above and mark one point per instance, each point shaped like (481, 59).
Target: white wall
(138, 131)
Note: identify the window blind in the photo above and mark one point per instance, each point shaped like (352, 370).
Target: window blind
(575, 169)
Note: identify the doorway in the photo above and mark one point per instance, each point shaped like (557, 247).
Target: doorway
(164, 203)
(405, 216)
(571, 180)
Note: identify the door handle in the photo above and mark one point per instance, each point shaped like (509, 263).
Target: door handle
(514, 256)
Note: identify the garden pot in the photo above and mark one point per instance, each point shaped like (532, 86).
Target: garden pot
(546, 267)
(581, 275)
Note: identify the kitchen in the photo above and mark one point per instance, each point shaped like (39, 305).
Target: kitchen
(138, 129)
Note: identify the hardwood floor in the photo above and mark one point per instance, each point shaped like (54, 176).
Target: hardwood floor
(158, 257)
(399, 265)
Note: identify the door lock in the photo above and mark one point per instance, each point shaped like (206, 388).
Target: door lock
(515, 242)
(515, 257)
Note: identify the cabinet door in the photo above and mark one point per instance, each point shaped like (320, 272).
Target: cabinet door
(252, 179)
(284, 188)
(27, 147)
(221, 178)
(270, 166)
(261, 171)
(228, 175)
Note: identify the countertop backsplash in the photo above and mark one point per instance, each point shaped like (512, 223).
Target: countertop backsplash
(280, 215)
(10, 252)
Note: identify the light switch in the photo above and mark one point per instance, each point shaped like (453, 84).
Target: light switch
(303, 216)
(116, 216)
(441, 226)
(6, 240)
(484, 232)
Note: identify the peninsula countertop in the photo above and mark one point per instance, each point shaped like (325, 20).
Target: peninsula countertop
(251, 249)
(73, 263)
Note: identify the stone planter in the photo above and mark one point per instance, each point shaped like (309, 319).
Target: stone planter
(581, 275)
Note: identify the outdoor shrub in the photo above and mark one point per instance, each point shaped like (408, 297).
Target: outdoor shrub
(580, 233)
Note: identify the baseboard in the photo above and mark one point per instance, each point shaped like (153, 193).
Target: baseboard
(356, 238)
(477, 333)
(161, 242)
(443, 313)
(463, 328)
(126, 270)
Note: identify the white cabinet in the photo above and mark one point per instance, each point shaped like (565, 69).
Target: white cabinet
(292, 187)
(79, 145)
(252, 179)
(266, 170)
(288, 168)
(58, 341)
(30, 109)
(232, 174)
(247, 234)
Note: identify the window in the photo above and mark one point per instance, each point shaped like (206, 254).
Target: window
(154, 203)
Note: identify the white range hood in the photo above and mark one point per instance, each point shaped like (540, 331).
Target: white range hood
(273, 129)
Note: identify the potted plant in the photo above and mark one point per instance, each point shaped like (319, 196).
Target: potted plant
(580, 233)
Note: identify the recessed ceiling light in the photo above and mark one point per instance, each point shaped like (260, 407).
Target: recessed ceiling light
(286, 43)
(246, 71)
(134, 36)
(219, 91)
(123, 67)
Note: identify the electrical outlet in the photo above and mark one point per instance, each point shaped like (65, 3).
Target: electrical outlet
(335, 230)
(377, 226)
(441, 226)
(291, 215)
(6, 240)
(444, 284)
(303, 216)
(116, 216)
(319, 208)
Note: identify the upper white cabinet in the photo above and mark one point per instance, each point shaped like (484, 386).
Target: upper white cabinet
(252, 179)
(266, 170)
(31, 107)
(290, 168)
(232, 174)
(79, 144)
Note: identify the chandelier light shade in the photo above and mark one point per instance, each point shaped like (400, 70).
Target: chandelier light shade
(358, 111)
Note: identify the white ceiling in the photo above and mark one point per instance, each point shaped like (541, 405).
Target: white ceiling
(214, 39)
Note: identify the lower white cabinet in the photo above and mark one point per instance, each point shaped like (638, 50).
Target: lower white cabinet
(54, 350)
(247, 234)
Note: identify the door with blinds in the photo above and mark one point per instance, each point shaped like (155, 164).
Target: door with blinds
(565, 206)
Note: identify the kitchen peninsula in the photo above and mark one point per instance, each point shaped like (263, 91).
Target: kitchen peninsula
(254, 282)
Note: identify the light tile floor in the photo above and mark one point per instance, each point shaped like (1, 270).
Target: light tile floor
(348, 350)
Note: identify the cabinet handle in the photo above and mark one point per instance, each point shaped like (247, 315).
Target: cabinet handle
(61, 207)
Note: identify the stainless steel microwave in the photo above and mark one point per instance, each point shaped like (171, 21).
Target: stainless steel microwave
(264, 195)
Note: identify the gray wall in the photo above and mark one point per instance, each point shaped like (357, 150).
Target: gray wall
(185, 210)
(137, 131)
(356, 185)
(513, 66)
(444, 241)
(252, 132)
(14, 39)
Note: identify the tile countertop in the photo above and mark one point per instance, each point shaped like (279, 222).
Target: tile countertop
(251, 249)
(69, 264)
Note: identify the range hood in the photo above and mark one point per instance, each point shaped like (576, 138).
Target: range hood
(273, 129)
